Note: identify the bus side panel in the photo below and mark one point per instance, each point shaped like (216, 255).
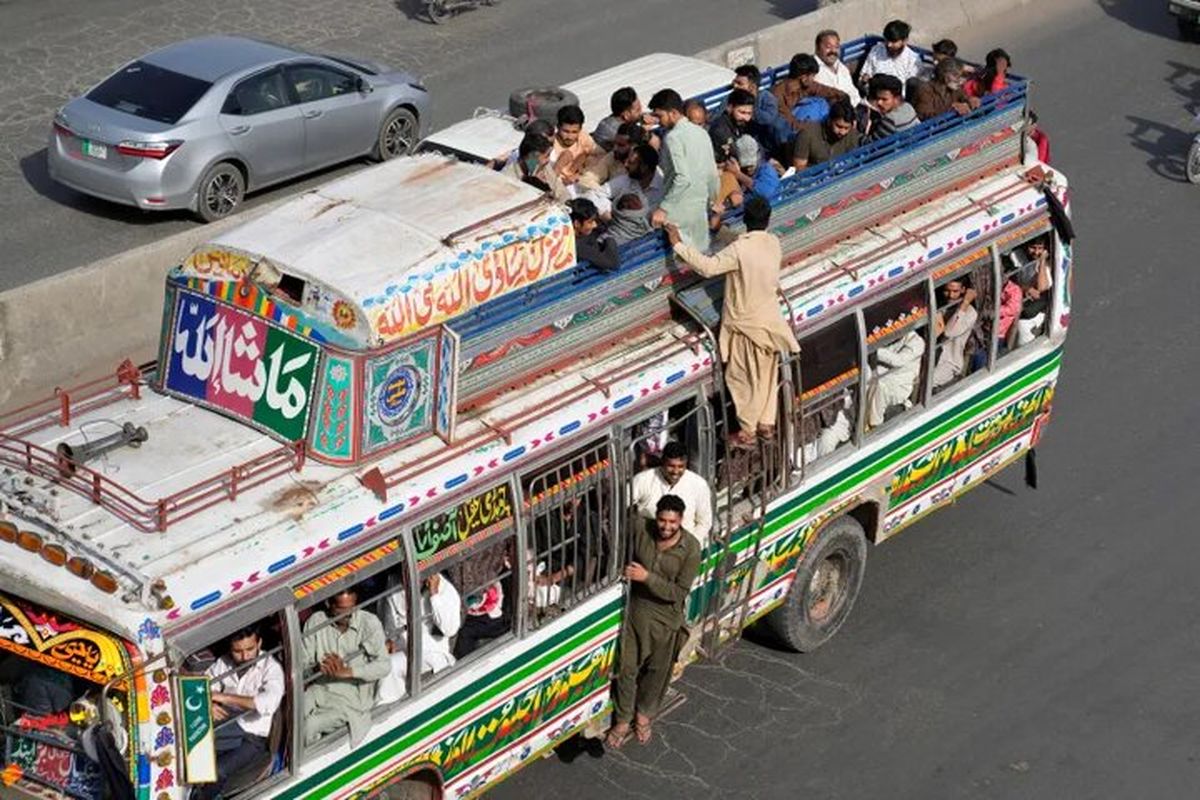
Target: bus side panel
(925, 468)
(476, 732)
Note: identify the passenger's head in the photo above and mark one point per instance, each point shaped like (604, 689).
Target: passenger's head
(944, 48)
(895, 36)
(570, 125)
(756, 214)
(667, 106)
(629, 202)
(341, 606)
(996, 64)
(584, 216)
(642, 163)
(745, 150)
(628, 135)
(244, 645)
(668, 516)
(696, 112)
(802, 65)
(534, 152)
(674, 461)
(542, 127)
(1036, 249)
(625, 104)
(828, 47)
(841, 118)
(746, 78)
(885, 91)
(949, 72)
(740, 106)
(955, 288)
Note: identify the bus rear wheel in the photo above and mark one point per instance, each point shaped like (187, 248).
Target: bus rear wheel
(826, 585)
(408, 790)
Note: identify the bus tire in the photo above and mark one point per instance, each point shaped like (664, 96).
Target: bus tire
(409, 790)
(826, 584)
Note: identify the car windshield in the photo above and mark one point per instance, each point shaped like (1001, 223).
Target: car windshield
(151, 92)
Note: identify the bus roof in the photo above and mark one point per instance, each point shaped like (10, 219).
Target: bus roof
(381, 234)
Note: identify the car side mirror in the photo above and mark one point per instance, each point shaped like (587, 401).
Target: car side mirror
(361, 85)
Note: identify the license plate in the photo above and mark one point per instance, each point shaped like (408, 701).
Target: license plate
(95, 150)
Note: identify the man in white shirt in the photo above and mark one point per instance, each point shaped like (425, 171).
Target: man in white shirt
(246, 688)
(673, 477)
(441, 617)
(831, 71)
(892, 56)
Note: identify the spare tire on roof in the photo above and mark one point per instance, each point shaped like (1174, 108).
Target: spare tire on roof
(540, 102)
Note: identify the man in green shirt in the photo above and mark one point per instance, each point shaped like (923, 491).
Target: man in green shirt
(347, 650)
(819, 142)
(666, 559)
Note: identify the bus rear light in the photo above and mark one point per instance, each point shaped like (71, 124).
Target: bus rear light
(28, 540)
(8, 532)
(54, 553)
(80, 567)
(105, 582)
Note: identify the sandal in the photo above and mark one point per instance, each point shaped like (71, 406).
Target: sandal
(644, 733)
(743, 441)
(618, 735)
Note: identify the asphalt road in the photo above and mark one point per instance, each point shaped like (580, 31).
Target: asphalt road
(51, 50)
(1020, 644)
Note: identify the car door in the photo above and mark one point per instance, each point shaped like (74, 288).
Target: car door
(265, 126)
(340, 122)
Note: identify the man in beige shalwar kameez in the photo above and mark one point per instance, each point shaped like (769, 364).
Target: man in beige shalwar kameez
(753, 330)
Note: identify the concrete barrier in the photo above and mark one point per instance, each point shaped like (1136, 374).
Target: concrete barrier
(79, 325)
(931, 19)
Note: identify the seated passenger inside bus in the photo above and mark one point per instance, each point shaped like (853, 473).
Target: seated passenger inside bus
(1025, 297)
(485, 583)
(441, 617)
(953, 325)
(896, 329)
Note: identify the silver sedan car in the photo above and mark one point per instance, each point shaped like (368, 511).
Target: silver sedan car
(199, 123)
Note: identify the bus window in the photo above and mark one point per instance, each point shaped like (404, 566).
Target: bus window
(483, 580)
(1025, 297)
(569, 531)
(250, 706)
(53, 674)
(962, 324)
(350, 662)
(897, 345)
(829, 389)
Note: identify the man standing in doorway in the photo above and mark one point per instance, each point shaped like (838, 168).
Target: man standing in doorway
(690, 180)
(665, 561)
(753, 330)
(672, 476)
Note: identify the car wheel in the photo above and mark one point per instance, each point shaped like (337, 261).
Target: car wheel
(826, 585)
(397, 135)
(540, 102)
(221, 192)
(437, 11)
(1193, 162)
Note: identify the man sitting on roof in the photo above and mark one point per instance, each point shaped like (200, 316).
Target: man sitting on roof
(889, 113)
(819, 142)
(591, 244)
(798, 92)
(831, 71)
(626, 108)
(604, 165)
(733, 123)
(892, 56)
(944, 92)
(642, 178)
(533, 167)
(572, 145)
(766, 118)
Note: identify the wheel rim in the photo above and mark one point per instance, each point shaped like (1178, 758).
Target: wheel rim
(1193, 163)
(398, 136)
(221, 196)
(827, 588)
(437, 11)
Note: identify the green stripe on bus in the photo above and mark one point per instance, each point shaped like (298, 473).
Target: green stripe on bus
(377, 752)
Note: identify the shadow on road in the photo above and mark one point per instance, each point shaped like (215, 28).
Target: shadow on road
(1167, 146)
(36, 174)
(1144, 15)
(1184, 80)
(786, 9)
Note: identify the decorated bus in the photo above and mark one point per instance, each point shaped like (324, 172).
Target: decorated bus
(403, 384)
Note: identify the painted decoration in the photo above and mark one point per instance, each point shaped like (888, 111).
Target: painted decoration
(399, 398)
(218, 263)
(54, 765)
(260, 302)
(334, 425)
(343, 571)
(49, 638)
(482, 272)
(199, 738)
(441, 536)
(227, 359)
(447, 385)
